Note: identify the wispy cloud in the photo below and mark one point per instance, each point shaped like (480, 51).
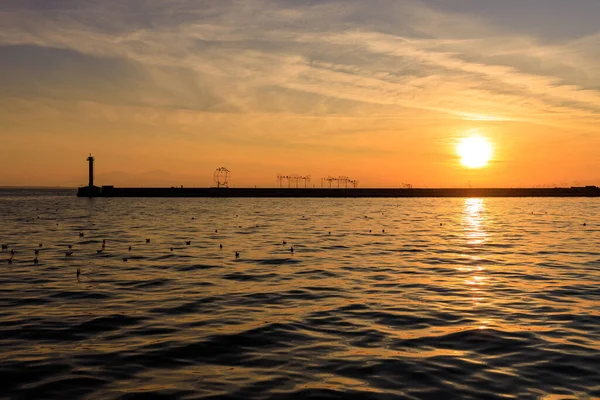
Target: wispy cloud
(183, 63)
(246, 51)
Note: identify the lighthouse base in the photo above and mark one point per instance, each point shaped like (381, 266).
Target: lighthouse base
(89, 191)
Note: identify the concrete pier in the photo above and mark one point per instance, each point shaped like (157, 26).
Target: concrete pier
(110, 191)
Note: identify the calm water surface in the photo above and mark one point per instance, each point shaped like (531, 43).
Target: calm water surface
(381, 299)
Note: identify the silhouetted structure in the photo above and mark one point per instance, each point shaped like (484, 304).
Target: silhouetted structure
(221, 177)
(90, 190)
(90, 160)
(293, 180)
(341, 191)
(329, 180)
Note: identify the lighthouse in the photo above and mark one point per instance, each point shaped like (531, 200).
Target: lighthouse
(90, 190)
(90, 160)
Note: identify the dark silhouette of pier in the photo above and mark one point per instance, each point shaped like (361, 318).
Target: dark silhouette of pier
(110, 191)
(223, 191)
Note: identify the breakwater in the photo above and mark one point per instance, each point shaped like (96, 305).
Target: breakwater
(110, 191)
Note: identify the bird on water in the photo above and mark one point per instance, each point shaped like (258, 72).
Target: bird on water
(36, 252)
(78, 272)
(292, 249)
(237, 254)
(147, 240)
(188, 242)
(129, 248)
(221, 246)
(68, 253)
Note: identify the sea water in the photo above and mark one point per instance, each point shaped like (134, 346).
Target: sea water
(379, 299)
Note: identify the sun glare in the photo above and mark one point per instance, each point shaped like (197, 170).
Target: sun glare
(474, 152)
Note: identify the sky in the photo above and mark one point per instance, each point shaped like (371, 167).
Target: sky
(163, 92)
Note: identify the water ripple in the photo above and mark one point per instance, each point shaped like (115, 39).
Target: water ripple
(381, 299)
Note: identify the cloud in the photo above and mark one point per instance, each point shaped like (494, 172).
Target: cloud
(241, 54)
(291, 74)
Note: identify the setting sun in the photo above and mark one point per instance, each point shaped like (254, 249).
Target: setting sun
(474, 152)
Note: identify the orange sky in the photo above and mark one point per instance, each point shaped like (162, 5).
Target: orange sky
(381, 93)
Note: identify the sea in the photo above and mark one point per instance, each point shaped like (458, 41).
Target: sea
(463, 298)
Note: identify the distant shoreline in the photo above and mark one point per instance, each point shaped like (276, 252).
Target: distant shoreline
(37, 188)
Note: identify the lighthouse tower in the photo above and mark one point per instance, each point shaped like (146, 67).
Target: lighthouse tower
(90, 190)
(90, 160)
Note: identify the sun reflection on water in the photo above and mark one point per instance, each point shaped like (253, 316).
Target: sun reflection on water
(475, 235)
(474, 221)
